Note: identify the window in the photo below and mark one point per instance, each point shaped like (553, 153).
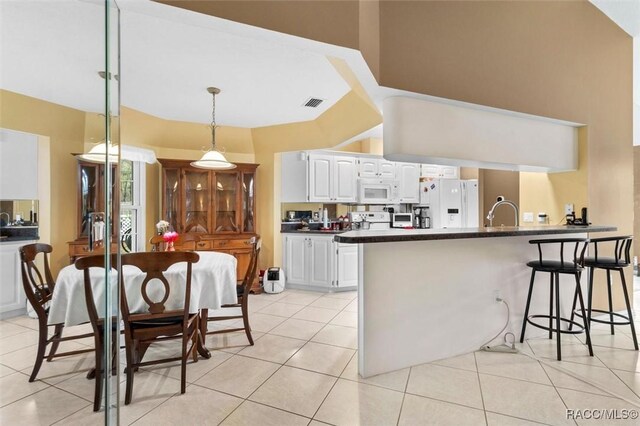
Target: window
(132, 208)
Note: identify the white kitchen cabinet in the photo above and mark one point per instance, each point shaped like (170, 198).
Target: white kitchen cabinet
(409, 178)
(18, 165)
(317, 262)
(320, 261)
(12, 298)
(295, 259)
(321, 178)
(376, 168)
(435, 171)
(332, 178)
(346, 265)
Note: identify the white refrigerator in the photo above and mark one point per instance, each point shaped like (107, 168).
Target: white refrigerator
(452, 203)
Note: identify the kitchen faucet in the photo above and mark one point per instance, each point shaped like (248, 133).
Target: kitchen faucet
(8, 218)
(500, 202)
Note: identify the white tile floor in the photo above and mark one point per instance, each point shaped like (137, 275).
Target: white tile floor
(303, 371)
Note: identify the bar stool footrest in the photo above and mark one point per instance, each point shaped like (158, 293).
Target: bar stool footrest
(580, 327)
(601, 321)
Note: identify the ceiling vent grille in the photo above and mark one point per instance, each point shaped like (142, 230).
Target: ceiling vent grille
(313, 102)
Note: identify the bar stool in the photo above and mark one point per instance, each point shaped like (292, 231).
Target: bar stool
(620, 260)
(555, 268)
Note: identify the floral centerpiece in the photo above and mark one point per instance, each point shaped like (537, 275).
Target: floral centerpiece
(170, 238)
(162, 227)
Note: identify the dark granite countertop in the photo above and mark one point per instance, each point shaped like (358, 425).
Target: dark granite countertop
(18, 239)
(312, 231)
(396, 235)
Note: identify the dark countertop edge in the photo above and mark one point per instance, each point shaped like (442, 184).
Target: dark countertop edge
(18, 239)
(470, 234)
(316, 232)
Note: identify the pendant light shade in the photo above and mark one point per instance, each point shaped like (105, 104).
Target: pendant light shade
(98, 153)
(213, 159)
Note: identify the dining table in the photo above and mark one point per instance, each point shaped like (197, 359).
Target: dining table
(213, 284)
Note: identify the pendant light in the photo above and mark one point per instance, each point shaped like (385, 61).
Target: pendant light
(213, 159)
(99, 151)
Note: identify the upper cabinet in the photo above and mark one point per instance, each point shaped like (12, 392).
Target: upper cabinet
(332, 178)
(18, 165)
(435, 171)
(376, 168)
(409, 178)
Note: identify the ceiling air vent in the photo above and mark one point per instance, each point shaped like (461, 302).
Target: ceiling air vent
(313, 102)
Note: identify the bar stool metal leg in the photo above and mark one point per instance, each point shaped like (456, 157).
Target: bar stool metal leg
(629, 313)
(584, 315)
(590, 294)
(613, 330)
(558, 334)
(573, 309)
(526, 309)
(551, 296)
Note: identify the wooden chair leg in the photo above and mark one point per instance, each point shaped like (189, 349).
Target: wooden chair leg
(245, 320)
(57, 334)
(204, 314)
(42, 347)
(183, 363)
(131, 356)
(97, 396)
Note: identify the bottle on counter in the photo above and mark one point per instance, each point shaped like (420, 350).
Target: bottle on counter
(325, 219)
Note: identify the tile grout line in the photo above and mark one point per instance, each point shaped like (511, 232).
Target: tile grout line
(566, 407)
(484, 408)
(404, 395)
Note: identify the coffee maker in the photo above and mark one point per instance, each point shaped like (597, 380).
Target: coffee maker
(422, 217)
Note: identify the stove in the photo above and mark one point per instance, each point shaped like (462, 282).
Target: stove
(377, 220)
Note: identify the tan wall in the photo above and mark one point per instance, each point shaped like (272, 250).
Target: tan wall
(65, 128)
(329, 21)
(541, 192)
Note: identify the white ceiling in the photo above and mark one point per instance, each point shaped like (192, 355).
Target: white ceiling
(52, 51)
(625, 13)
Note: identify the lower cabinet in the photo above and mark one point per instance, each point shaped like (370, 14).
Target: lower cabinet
(317, 262)
(12, 298)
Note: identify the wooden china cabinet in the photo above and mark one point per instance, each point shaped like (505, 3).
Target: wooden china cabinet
(218, 205)
(91, 199)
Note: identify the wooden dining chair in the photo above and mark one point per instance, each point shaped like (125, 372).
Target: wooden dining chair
(243, 288)
(39, 290)
(141, 329)
(84, 264)
(185, 242)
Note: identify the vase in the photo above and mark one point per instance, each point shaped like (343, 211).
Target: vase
(170, 246)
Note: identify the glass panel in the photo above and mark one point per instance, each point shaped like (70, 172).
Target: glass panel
(197, 202)
(172, 198)
(126, 182)
(375, 193)
(128, 227)
(248, 203)
(226, 218)
(89, 195)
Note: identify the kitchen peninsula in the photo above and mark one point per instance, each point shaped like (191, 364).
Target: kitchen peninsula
(430, 294)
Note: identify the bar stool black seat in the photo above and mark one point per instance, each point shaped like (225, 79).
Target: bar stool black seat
(572, 266)
(620, 260)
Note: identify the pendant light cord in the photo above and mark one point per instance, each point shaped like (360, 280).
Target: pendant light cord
(213, 123)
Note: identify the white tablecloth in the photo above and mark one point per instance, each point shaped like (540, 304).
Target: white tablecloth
(213, 284)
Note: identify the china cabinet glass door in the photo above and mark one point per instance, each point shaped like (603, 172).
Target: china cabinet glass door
(172, 199)
(226, 202)
(197, 198)
(248, 203)
(89, 193)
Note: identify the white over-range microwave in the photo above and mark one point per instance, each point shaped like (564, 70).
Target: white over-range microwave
(378, 191)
